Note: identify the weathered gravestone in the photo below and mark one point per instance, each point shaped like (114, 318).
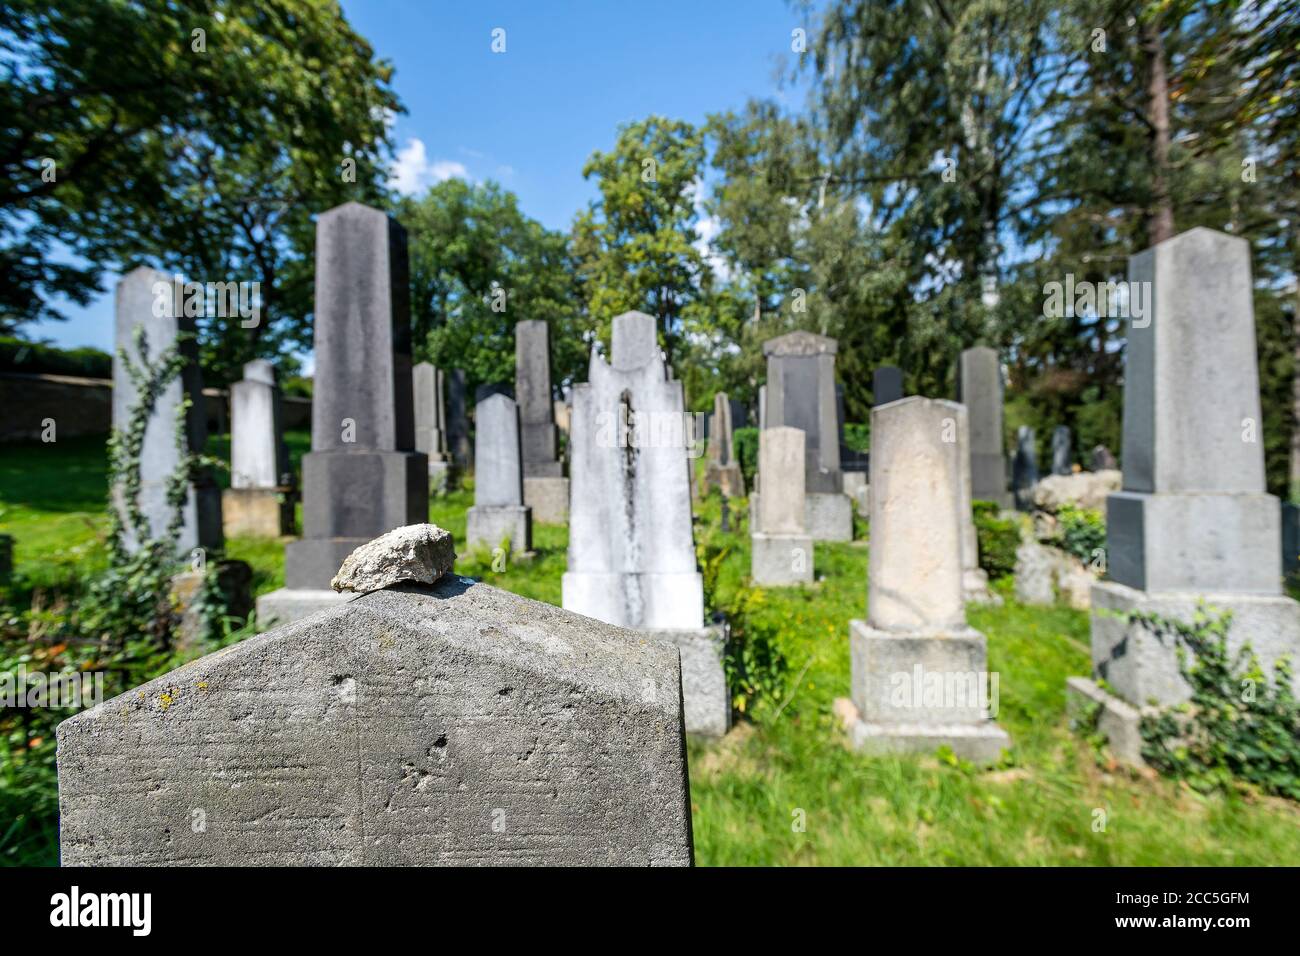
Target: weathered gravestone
(458, 420)
(1103, 459)
(1062, 451)
(886, 385)
(443, 723)
(1193, 521)
(631, 545)
(974, 579)
(499, 514)
(1024, 468)
(782, 551)
(259, 501)
(546, 490)
(762, 407)
(979, 388)
(362, 476)
(918, 670)
(146, 301)
(801, 394)
(427, 387)
(722, 470)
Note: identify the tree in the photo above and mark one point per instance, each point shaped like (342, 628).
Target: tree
(198, 136)
(478, 266)
(635, 245)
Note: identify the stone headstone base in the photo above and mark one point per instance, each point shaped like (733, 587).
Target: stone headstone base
(288, 605)
(781, 559)
(828, 516)
(670, 601)
(1166, 542)
(439, 477)
(552, 468)
(975, 588)
(256, 512)
(706, 700)
(727, 478)
(549, 499)
(916, 690)
(488, 527)
(1117, 721)
(1142, 667)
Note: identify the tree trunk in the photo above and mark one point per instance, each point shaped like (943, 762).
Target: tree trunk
(1160, 213)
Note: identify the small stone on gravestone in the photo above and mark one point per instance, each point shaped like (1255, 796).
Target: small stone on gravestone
(1103, 460)
(420, 553)
(886, 385)
(1062, 451)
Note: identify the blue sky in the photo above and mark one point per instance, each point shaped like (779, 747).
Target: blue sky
(529, 117)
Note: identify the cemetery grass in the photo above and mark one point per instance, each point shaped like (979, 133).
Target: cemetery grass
(786, 762)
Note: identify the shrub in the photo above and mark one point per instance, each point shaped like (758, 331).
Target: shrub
(745, 443)
(1082, 530)
(754, 665)
(17, 355)
(857, 435)
(1237, 725)
(998, 539)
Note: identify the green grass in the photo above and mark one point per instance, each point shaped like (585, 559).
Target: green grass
(787, 759)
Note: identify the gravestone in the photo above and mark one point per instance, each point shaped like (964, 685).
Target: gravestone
(427, 384)
(722, 471)
(919, 677)
(801, 394)
(160, 457)
(546, 490)
(631, 555)
(1103, 460)
(974, 579)
(362, 476)
(259, 501)
(499, 513)
(1193, 521)
(739, 414)
(762, 407)
(1062, 451)
(1024, 468)
(979, 384)
(419, 724)
(782, 551)
(886, 385)
(458, 421)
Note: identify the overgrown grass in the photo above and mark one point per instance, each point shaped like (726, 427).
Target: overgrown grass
(1054, 802)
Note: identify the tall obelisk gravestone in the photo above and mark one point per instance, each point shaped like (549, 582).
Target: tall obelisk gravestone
(546, 490)
(631, 545)
(979, 388)
(722, 470)
(137, 294)
(1194, 521)
(259, 501)
(801, 394)
(919, 677)
(362, 477)
(427, 383)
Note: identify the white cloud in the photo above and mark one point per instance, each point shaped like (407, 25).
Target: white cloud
(413, 172)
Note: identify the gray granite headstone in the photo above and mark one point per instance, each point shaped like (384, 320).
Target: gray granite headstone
(979, 384)
(138, 293)
(499, 513)
(536, 405)
(430, 411)
(458, 420)
(886, 385)
(450, 724)
(1194, 521)
(631, 557)
(362, 477)
(1062, 451)
(1024, 468)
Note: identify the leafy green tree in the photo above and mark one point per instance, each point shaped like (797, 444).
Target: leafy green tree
(635, 245)
(478, 266)
(199, 136)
